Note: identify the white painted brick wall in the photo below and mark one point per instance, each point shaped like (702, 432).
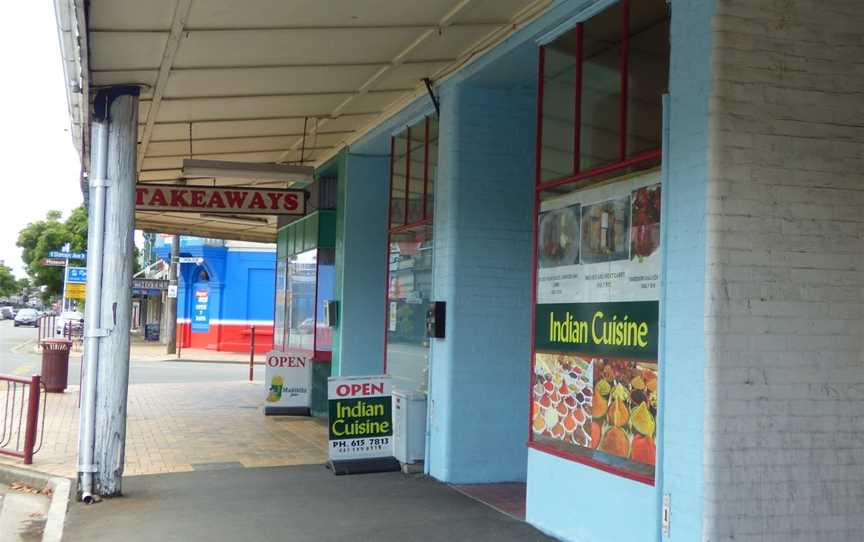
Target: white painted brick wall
(784, 419)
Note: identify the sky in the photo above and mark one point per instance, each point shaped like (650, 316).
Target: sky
(40, 168)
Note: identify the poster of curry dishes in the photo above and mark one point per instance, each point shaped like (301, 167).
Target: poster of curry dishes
(595, 372)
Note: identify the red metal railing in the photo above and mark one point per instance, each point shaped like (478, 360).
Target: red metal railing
(46, 328)
(19, 417)
(252, 355)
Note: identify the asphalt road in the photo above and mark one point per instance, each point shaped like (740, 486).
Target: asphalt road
(16, 358)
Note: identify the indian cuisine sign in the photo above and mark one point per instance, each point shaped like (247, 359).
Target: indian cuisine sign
(173, 198)
(612, 329)
(594, 388)
(361, 417)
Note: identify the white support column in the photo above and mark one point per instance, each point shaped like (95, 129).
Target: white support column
(113, 366)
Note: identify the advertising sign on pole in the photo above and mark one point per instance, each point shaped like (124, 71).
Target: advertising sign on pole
(201, 312)
(361, 424)
(288, 377)
(76, 290)
(76, 275)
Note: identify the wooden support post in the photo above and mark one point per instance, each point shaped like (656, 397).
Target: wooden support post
(112, 379)
(170, 313)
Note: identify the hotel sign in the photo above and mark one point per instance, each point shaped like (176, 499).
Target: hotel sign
(175, 198)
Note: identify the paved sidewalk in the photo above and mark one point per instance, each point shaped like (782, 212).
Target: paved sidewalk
(299, 504)
(183, 427)
(148, 351)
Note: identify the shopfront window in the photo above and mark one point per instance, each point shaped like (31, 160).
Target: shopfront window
(602, 85)
(409, 293)
(595, 364)
(413, 173)
(301, 284)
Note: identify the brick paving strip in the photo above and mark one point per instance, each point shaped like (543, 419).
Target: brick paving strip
(186, 427)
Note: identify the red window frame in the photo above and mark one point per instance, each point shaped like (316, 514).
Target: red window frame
(624, 162)
(426, 215)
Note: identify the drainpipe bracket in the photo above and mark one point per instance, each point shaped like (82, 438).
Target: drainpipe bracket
(98, 183)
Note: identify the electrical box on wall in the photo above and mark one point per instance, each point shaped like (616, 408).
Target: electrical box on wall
(435, 320)
(331, 309)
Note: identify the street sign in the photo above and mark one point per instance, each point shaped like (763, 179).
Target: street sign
(76, 291)
(172, 291)
(195, 260)
(53, 262)
(76, 275)
(150, 284)
(67, 255)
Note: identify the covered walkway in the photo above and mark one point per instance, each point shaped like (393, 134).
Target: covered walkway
(300, 504)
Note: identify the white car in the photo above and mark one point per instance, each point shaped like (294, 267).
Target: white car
(75, 320)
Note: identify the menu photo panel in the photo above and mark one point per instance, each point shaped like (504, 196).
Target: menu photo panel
(595, 383)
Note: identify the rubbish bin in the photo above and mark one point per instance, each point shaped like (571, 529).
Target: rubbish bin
(151, 332)
(55, 364)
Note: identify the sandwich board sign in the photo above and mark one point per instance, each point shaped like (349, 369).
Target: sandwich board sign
(288, 377)
(361, 424)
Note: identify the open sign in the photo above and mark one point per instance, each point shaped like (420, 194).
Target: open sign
(282, 360)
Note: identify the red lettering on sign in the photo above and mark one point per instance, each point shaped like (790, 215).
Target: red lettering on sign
(286, 361)
(360, 389)
(139, 195)
(274, 200)
(198, 198)
(257, 202)
(158, 198)
(290, 202)
(236, 198)
(216, 201)
(177, 198)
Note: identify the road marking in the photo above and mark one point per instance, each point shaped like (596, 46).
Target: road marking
(21, 369)
(19, 347)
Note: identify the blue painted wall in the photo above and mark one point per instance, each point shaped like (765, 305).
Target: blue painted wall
(241, 283)
(482, 269)
(575, 502)
(249, 286)
(686, 170)
(478, 435)
(361, 256)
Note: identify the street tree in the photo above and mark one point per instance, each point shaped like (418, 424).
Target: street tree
(39, 238)
(8, 285)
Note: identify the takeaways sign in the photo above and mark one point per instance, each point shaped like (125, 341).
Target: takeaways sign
(156, 197)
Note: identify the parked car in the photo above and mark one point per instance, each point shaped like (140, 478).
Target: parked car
(27, 317)
(75, 320)
(306, 326)
(7, 312)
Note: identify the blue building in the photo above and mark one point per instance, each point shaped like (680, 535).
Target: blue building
(220, 299)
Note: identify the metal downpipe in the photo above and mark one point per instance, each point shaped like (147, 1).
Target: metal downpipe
(95, 250)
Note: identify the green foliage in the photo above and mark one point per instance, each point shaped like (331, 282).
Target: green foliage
(8, 285)
(38, 238)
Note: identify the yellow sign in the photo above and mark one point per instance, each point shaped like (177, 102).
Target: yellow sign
(76, 291)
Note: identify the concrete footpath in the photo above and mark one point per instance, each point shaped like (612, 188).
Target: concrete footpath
(297, 504)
